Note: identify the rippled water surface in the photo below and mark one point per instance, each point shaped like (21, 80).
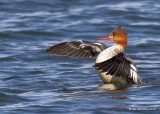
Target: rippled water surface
(31, 81)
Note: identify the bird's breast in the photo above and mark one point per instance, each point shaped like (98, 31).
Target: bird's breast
(107, 78)
(104, 56)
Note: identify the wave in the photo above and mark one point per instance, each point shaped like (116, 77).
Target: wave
(146, 23)
(124, 6)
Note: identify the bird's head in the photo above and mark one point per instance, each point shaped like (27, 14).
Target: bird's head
(118, 35)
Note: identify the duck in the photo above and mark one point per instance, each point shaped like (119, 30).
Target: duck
(115, 69)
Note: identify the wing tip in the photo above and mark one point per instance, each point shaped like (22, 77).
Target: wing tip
(48, 50)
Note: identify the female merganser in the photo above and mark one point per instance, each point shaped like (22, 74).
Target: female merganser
(111, 64)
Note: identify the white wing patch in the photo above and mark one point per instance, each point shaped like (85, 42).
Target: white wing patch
(109, 53)
(133, 74)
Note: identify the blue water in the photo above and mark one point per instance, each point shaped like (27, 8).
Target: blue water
(31, 81)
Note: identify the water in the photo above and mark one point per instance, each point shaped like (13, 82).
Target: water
(32, 81)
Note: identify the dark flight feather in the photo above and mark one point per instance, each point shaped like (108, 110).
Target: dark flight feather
(77, 48)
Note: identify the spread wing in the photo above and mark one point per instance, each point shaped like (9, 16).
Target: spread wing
(120, 66)
(77, 48)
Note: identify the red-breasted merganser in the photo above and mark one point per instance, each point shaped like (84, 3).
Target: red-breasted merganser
(112, 65)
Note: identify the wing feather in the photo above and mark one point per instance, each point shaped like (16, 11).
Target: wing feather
(77, 48)
(120, 66)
